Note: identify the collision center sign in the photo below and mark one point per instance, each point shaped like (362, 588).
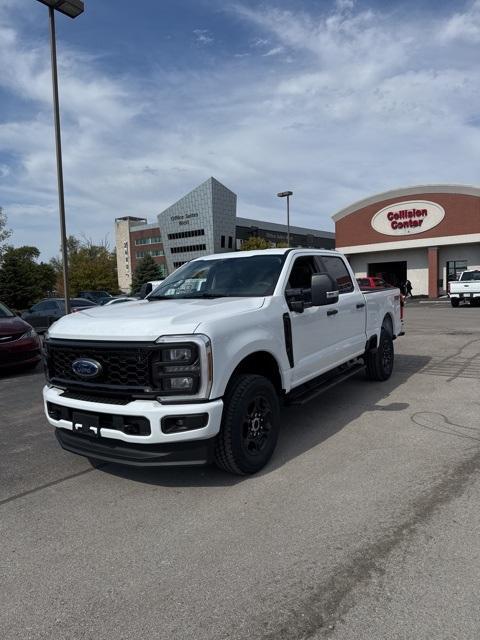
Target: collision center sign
(404, 218)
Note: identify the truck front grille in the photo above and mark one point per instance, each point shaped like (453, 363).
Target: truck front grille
(124, 367)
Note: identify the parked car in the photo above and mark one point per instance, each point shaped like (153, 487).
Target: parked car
(19, 343)
(371, 282)
(465, 289)
(98, 297)
(196, 374)
(47, 311)
(120, 299)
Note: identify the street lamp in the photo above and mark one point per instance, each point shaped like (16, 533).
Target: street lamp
(72, 9)
(287, 194)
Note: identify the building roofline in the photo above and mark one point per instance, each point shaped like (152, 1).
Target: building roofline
(134, 218)
(463, 189)
(277, 226)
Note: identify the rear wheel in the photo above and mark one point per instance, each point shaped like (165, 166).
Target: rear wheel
(454, 302)
(379, 361)
(250, 425)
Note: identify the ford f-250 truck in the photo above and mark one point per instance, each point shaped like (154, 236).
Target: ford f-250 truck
(465, 289)
(198, 371)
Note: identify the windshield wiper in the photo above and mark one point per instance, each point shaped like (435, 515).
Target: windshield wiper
(205, 296)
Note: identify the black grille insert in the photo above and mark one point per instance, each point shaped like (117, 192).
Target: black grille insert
(124, 367)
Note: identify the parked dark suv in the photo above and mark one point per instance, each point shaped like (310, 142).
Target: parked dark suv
(19, 344)
(98, 297)
(45, 312)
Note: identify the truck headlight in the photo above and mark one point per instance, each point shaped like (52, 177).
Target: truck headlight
(179, 354)
(183, 368)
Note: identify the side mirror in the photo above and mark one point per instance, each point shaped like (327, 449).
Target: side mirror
(324, 290)
(295, 300)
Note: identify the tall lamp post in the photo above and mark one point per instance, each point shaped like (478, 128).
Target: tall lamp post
(72, 9)
(287, 194)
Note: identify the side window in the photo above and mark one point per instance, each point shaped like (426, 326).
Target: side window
(301, 276)
(47, 305)
(336, 268)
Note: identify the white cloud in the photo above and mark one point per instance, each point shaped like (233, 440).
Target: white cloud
(275, 51)
(344, 5)
(463, 26)
(203, 36)
(373, 101)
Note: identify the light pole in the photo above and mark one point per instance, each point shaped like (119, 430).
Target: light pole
(287, 194)
(72, 9)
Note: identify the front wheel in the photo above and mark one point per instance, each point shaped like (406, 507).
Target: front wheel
(250, 425)
(454, 302)
(379, 361)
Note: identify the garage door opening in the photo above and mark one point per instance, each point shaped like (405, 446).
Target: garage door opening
(395, 273)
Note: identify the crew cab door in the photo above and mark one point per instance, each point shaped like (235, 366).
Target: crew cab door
(313, 334)
(350, 320)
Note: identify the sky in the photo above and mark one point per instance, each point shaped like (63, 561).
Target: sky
(335, 100)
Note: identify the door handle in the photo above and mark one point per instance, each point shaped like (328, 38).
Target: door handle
(332, 312)
(360, 305)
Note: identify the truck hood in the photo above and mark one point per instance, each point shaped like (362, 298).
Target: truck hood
(145, 321)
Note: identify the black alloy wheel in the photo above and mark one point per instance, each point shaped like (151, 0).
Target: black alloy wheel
(379, 362)
(250, 425)
(257, 425)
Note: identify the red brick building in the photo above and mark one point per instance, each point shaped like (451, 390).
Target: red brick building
(427, 233)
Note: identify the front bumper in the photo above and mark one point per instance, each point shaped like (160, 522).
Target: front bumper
(195, 452)
(155, 449)
(18, 352)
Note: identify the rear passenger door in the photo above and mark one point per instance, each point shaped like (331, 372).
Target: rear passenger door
(351, 312)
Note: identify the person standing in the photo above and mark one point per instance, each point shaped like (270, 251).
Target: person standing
(408, 289)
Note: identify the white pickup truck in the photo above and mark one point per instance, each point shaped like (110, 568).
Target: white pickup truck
(465, 289)
(198, 371)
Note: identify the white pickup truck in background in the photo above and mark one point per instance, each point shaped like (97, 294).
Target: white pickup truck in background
(465, 289)
(198, 371)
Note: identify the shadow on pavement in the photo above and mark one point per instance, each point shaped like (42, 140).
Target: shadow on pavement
(20, 371)
(303, 428)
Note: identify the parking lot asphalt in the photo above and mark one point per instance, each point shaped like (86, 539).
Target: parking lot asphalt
(364, 525)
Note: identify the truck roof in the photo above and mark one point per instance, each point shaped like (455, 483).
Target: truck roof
(262, 252)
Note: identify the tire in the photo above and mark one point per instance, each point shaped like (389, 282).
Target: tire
(250, 425)
(379, 361)
(454, 302)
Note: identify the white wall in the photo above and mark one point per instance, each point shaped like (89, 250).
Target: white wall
(417, 265)
(468, 252)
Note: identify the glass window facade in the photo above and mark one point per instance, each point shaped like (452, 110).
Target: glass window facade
(189, 248)
(155, 253)
(186, 234)
(151, 240)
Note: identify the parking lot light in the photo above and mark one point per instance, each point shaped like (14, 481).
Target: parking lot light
(287, 194)
(72, 9)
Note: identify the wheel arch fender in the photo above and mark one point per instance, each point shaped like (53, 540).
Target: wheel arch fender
(261, 362)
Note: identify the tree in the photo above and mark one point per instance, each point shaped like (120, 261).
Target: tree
(4, 232)
(255, 243)
(90, 267)
(146, 270)
(22, 279)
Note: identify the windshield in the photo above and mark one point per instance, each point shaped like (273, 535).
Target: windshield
(5, 311)
(98, 295)
(230, 277)
(470, 275)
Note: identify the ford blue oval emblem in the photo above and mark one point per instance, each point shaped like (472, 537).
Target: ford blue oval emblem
(86, 368)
